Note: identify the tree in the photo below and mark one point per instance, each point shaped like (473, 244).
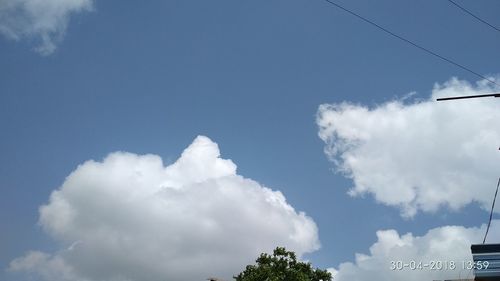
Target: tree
(282, 266)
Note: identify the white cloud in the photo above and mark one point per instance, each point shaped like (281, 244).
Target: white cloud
(444, 244)
(130, 218)
(45, 21)
(44, 265)
(421, 155)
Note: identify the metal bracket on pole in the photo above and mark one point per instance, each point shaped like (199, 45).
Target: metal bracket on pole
(496, 95)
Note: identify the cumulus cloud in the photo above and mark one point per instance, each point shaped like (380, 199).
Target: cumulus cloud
(131, 218)
(419, 155)
(44, 21)
(439, 247)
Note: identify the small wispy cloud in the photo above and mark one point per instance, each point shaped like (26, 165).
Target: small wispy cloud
(42, 21)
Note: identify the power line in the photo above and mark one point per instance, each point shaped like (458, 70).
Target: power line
(491, 213)
(476, 17)
(411, 42)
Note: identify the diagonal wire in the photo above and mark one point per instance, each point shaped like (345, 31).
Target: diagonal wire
(476, 17)
(491, 213)
(410, 42)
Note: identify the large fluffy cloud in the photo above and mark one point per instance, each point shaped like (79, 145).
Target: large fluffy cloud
(42, 20)
(439, 247)
(131, 218)
(419, 155)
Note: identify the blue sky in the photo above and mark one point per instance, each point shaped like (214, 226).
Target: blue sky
(149, 77)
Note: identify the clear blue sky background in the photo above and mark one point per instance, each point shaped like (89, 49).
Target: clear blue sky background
(149, 76)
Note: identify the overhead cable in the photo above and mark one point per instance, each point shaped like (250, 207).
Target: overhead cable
(411, 42)
(473, 15)
(491, 213)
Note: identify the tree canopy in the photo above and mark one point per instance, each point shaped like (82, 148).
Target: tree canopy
(282, 265)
